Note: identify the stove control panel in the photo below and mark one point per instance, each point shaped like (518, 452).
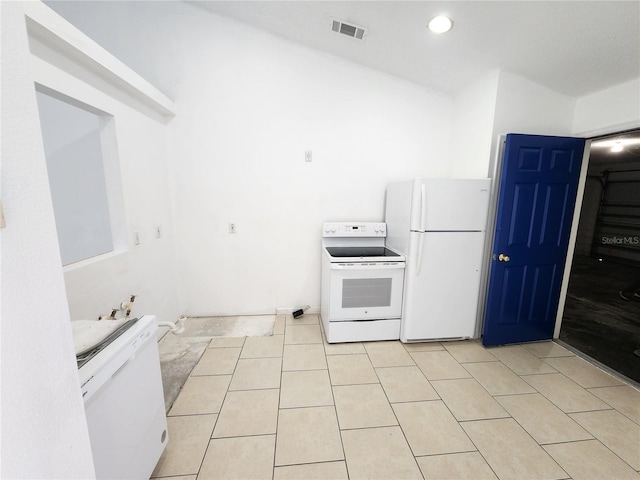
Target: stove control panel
(354, 229)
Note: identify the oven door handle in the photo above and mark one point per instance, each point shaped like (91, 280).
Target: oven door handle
(367, 266)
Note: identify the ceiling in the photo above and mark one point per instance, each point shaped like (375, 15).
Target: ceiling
(572, 47)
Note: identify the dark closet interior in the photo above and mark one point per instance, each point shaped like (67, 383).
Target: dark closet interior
(602, 310)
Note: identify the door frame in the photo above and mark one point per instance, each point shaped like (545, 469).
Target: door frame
(573, 235)
(495, 168)
(494, 173)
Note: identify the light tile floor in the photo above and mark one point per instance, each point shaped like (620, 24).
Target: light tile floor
(292, 406)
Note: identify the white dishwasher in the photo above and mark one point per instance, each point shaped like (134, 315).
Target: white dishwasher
(124, 404)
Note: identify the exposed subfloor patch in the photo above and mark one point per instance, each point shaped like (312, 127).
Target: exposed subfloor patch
(179, 354)
(597, 321)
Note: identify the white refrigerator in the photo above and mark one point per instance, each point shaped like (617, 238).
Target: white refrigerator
(439, 225)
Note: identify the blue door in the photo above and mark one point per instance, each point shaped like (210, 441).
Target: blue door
(536, 200)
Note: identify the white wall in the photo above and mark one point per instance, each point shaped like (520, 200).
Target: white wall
(523, 106)
(518, 105)
(610, 110)
(498, 104)
(472, 133)
(43, 432)
(249, 105)
(139, 180)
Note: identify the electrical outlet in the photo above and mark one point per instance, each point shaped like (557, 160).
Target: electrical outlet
(158, 230)
(232, 228)
(136, 238)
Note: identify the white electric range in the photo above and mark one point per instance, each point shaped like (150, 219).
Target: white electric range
(362, 283)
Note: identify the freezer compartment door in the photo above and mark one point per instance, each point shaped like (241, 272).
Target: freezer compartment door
(441, 298)
(444, 204)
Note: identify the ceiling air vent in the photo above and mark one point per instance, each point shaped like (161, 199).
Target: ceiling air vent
(349, 29)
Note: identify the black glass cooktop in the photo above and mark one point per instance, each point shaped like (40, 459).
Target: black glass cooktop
(343, 252)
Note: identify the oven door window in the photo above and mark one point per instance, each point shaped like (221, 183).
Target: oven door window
(366, 293)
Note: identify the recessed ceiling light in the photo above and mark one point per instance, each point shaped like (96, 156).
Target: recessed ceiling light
(440, 24)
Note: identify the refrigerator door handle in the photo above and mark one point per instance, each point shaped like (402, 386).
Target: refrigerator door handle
(419, 255)
(423, 207)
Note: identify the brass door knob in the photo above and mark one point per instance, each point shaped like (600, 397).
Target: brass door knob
(503, 258)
